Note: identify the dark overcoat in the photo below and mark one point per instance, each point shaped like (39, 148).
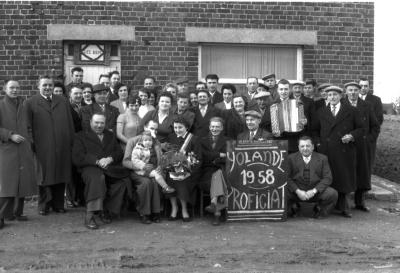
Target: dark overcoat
(88, 148)
(328, 131)
(52, 132)
(365, 143)
(17, 176)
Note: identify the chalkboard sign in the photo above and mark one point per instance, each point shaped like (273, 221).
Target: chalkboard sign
(257, 179)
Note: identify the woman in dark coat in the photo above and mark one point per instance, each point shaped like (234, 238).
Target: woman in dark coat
(163, 115)
(235, 122)
(184, 185)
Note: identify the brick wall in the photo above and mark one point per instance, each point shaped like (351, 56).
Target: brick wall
(344, 51)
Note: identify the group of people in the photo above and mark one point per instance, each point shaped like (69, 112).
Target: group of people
(105, 146)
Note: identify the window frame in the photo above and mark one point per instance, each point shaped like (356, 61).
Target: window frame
(299, 68)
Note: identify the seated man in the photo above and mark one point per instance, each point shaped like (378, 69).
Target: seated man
(253, 131)
(97, 155)
(309, 177)
(213, 149)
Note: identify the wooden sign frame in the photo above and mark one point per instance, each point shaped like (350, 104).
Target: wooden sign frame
(257, 179)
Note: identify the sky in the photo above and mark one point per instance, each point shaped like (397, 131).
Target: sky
(387, 50)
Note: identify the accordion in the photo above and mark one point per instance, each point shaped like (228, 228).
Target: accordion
(286, 116)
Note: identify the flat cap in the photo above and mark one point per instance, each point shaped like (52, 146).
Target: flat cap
(334, 88)
(313, 82)
(269, 76)
(352, 84)
(253, 113)
(99, 88)
(181, 80)
(261, 94)
(323, 86)
(298, 83)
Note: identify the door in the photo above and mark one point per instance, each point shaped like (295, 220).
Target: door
(95, 58)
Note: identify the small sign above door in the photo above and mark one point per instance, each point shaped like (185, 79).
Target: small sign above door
(92, 53)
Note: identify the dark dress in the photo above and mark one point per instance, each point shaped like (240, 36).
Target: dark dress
(165, 128)
(185, 189)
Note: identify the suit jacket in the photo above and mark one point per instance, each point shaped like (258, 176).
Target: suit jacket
(112, 96)
(221, 105)
(319, 103)
(216, 98)
(376, 103)
(328, 131)
(210, 155)
(234, 123)
(119, 105)
(111, 113)
(76, 119)
(261, 134)
(201, 124)
(320, 172)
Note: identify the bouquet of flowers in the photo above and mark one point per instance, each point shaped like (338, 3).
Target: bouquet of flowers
(177, 162)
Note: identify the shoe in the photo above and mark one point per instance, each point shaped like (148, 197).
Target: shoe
(294, 211)
(90, 222)
(145, 219)
(1, 223)
(362, 208)
(156, 218)
(72, 204)
(212, 208)
(171, 218)
(224, 215)
(186, 219)
(346, 214)
(105, 218)
(317, 212)
(43, 212)
(168, 190)
(59, 210)
(216, 220)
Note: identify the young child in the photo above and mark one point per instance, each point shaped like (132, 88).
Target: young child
(143, 154)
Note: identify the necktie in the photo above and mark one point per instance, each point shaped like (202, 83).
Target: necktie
(252, 133)
(333, 110)
(214, 141)
(100, 137)
(103, 107)
(48, 98)
(203, 111)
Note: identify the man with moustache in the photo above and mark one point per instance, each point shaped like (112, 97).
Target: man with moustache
(17, 176)
(364, 144)
(51, 126)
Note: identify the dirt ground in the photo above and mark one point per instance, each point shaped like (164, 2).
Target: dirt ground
(388, 150)
(369, 242)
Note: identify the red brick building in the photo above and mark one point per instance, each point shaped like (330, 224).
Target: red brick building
(330, 42)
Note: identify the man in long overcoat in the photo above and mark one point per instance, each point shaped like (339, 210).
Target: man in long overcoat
(364, 144)
(17, 178)
(97, 154)
(336, 127)
(50, 123)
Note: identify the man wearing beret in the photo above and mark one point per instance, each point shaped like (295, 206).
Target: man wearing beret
(253, 131)
(375, 101)
(322, 99)
(308, 104)
(335, 128)
(364, 143)
(183, 86)
(100, 105)
(264, 101)
(270, 82)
